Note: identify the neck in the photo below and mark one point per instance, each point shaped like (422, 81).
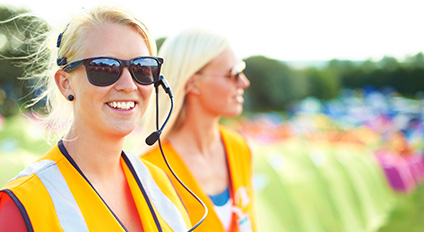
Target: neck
(98, 156)
(202, 131)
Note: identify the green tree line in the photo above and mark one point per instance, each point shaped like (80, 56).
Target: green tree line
(275, 84)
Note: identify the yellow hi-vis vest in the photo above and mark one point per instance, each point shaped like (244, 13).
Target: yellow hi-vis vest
(54, 195)
(240, 169)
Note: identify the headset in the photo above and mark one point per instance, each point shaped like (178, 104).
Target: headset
(155, 136)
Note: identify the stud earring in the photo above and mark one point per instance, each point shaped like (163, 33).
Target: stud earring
(71, 97)
(196, 91)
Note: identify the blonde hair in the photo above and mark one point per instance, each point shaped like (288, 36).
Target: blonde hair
(59, 110)
(184, 54)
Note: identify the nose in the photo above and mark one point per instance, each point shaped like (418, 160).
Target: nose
(126, 82)
(243, 81)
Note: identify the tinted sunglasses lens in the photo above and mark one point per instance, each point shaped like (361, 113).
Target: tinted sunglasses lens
(103, 71)
(145, 70)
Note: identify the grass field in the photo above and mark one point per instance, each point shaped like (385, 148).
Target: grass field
(408, 215)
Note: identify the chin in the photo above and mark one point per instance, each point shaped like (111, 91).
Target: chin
(233, 114)
(123, 130)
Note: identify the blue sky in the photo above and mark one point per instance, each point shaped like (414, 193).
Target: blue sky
(280, 29)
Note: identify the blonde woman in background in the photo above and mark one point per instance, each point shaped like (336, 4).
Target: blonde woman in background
(102, 84)
(212, 160)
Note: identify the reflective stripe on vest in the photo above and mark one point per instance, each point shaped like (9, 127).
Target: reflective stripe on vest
(67, 210)
(161, 202)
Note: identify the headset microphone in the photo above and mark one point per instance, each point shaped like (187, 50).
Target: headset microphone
(153, 137)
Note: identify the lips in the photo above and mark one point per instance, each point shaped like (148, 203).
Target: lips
(122, 105)
(239, 99)
(239, 96)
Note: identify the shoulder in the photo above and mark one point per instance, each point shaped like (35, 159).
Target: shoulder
(150, 154)
(154, 156)
(10, 216)
(152, 167)
(158, 184)
(233, 138)
(147, 168)
(27, 178)
(231, 134)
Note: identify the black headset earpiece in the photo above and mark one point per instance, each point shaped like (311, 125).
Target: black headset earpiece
(61, 61)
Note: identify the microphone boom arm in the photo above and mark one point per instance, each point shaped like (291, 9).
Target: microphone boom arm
(155, 136)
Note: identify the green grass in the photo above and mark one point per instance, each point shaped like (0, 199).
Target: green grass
(408, 214)
(21, 142)
(12, 164)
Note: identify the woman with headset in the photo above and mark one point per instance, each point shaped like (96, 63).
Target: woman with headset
(99, 89)
(213, 161)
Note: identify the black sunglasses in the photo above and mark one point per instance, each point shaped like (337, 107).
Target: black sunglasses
(104, 71)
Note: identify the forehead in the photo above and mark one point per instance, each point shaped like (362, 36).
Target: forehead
(224, 61)
(115, 40)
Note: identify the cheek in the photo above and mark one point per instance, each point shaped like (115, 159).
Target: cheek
(216, 97)
(217, 90)
(88, 102)
(146, 92)
(95, 92)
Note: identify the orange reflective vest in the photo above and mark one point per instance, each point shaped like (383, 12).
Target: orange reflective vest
(241, 190)
(54, 195)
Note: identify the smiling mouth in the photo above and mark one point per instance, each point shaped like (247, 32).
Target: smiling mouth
(122, 105)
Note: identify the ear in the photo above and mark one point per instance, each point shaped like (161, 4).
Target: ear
(62, 82)
(192, 84)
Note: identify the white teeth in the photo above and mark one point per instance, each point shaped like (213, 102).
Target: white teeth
(122, 105)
